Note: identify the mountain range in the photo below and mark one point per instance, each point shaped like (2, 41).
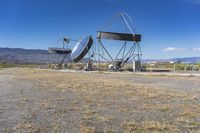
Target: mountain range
(23, 56)
(181, 60)
(37, 56)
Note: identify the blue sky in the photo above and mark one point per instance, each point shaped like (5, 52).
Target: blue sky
(170, 28)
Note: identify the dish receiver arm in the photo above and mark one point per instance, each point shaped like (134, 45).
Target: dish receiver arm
(119, 36)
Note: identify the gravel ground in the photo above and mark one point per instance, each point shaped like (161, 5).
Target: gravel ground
(190, 84)
(45, 101)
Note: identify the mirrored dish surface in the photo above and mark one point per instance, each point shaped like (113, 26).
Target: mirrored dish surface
(81, 48)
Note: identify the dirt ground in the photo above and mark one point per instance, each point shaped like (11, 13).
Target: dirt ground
(43, 101)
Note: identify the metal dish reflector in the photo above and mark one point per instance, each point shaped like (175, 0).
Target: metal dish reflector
(119, 36)
(59, 50)
(81, 48)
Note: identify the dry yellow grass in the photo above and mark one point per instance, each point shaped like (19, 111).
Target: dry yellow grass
(146, 126)
(94, 94)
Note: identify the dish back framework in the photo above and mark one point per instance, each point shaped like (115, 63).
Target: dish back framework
(125, 54)
(60, 53)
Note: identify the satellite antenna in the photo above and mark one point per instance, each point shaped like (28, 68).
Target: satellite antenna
(60, 54)
(129, 51)
(81, 48)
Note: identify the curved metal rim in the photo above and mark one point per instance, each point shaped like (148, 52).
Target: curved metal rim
(84, 51)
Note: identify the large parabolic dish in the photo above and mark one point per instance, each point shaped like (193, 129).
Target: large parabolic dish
(81, 48)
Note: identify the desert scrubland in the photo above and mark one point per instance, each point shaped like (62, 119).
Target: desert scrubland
(33, 100)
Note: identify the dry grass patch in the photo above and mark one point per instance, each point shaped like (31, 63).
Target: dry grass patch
(87, 129)
(28, 127)
(159, 107)
(88, 95)
(146, 126)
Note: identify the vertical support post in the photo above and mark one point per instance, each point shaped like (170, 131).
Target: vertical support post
(137, 53)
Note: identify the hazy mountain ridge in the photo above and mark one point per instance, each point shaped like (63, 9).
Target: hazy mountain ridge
(182, 60)
(23, 56)
(38, 56)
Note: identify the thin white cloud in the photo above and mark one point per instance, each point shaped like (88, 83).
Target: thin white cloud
(196, 49)
(172, 49)
(194, 1)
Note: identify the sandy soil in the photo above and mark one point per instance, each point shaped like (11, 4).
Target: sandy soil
(46, 101)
